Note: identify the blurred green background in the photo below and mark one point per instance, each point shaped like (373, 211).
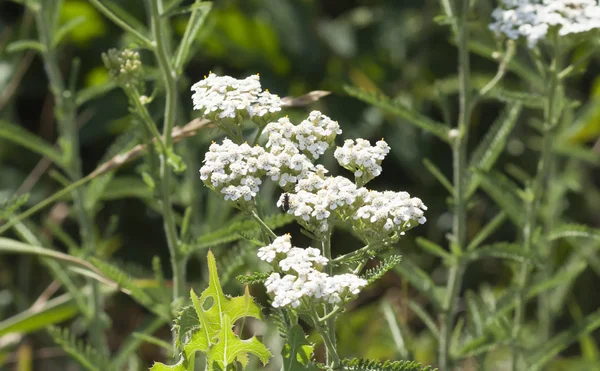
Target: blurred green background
(389, 46)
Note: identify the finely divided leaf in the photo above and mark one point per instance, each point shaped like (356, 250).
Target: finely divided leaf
(575, 230)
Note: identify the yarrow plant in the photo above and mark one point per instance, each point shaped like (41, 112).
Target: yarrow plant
(304, 281)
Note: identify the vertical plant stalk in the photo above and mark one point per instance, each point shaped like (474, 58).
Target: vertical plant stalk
(459, 222)
(537, 193)
(160, 48)
(328, 332)
(65, 113)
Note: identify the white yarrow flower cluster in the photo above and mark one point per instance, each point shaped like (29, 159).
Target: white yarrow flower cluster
(534, 19)
(361, 158)
(235, 171)
(312, 136)
(220, 97)
(386, 212)
(318, 201)
(303, 278)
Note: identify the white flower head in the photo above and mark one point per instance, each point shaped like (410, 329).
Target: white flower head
(362, 159)
(224, 97)
(534, 19)
(385, 214)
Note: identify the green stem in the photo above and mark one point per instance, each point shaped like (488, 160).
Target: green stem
(120, 22)
(262, 224)
(537, 193)
(459, 223)
(161, 52)
(65, 114)
(328, 333)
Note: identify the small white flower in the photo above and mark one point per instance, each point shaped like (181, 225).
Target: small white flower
(361, 158)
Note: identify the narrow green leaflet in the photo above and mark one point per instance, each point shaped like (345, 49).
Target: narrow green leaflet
(505, 193)
(32, 142)
(489, 149)
(502, 250)
(84, 354)
(66, 28)
(21, 45)
(209, 321)
(575, 230)
(436, 128)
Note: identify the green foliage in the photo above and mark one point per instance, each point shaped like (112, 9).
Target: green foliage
(575, 230)
(254, 278)
(206, 327)
(438, 129)
(12, 205)
(359, 364)
(236, 231)
(128, 283)
(388, 263)
(87, 357)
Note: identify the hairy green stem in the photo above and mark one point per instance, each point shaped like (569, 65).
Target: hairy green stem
(459, 222)
(262, 224)
(65, 114)
(160, 48)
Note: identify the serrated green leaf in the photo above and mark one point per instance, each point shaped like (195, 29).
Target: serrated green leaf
(231, 349)
(436, 128)
(20, 45)
(490, 147)
(505, 193)
(18, 135)
(206, 326)
(157, 366)
(575, 230)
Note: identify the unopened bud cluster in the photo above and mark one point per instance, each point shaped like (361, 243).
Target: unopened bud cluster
(303, 278)
(125, 67)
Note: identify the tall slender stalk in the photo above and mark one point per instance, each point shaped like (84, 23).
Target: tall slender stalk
(65, 114)
(328, 333)
(459, 222)
(160, 45)
(537, 193)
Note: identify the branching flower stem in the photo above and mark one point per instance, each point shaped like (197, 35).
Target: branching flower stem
(459, 153)
(65, 114)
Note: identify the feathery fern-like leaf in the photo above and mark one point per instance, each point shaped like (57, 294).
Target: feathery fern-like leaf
(575, 230)
(126, 281)
(254, 278)
(362, 364)
(89, 358)
(373, 274)
(11, 205)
